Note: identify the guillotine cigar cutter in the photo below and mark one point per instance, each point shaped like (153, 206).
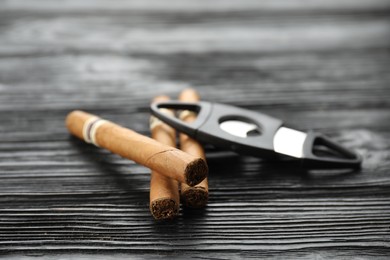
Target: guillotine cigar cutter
(247, 132)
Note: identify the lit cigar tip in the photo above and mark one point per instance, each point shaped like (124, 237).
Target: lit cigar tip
(164, 209)
(195, 197)
(196, 171)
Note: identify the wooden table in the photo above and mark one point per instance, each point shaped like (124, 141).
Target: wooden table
(322, 65)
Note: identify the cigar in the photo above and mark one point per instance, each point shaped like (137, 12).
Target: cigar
(196, 196)
(164, 192)
(170, 161)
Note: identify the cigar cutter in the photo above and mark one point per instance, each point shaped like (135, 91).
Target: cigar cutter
(247, 132)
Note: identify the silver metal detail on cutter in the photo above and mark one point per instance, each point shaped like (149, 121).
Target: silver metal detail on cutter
(237, 128)
(289, 142)
(253, 133)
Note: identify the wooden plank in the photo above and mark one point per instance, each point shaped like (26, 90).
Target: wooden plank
(320, 65)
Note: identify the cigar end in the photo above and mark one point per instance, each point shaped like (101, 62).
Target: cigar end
(189, 94)
(164, 209)
(195, 197)
(75, 120)
(196, 171)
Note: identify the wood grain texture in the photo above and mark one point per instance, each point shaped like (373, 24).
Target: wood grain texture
(322, 65)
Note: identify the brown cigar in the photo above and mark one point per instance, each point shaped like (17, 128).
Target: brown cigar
(197, 196)
(164, 192)
(170, 161)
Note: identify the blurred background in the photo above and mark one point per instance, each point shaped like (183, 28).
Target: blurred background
(102, 54)
(322, 65)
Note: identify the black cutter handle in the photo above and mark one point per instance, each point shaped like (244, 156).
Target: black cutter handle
(343, 158)
(203, 109)
(206, 128)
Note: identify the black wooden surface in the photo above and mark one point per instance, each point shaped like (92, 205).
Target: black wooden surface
(322, 65)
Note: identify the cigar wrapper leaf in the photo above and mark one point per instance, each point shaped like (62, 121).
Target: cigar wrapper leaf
(164, 192)
(196, 196)
(171, 162)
